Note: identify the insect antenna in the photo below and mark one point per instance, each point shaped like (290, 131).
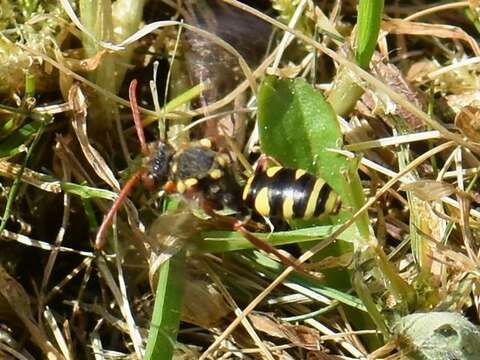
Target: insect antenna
(100, 238)
(132, 94)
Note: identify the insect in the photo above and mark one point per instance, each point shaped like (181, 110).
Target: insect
(196, 171)
(199, 172)
(289, 194)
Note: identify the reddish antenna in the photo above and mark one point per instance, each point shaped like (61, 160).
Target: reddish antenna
(132, 94)
(100, 238)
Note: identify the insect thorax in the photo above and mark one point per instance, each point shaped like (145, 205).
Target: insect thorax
(196, 162)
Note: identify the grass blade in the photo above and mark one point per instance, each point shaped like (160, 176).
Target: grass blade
(166, 312)
(368, 23)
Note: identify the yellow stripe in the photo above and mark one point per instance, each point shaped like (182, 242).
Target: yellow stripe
(181, 187)
(331, 202)
(288, 207)
(222, 160)
(299, 173)
(312, 200)
(273, 170)
(246, 189)
(216, 174)
(206, 143)
(191, 182)
(261, 202)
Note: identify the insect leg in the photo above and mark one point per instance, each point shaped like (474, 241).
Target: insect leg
(265, 246)
(262, 163)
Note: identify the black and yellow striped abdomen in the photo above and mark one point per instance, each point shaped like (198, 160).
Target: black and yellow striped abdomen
(289, 194)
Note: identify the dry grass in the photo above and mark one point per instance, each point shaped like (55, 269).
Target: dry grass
(67, 145)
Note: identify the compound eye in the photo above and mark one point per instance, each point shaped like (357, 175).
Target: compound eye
(160, 164)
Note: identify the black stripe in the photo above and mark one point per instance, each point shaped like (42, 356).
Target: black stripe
(281, 186)
(302, 188)
(278, 190)
(322, 200)
(260, 180)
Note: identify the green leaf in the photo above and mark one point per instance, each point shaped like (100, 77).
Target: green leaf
(223, 241)
(87, 192)
(299, 128)
(368, 23)
(18, 178)
(13, 143)
(167, 309)
(346, 91)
